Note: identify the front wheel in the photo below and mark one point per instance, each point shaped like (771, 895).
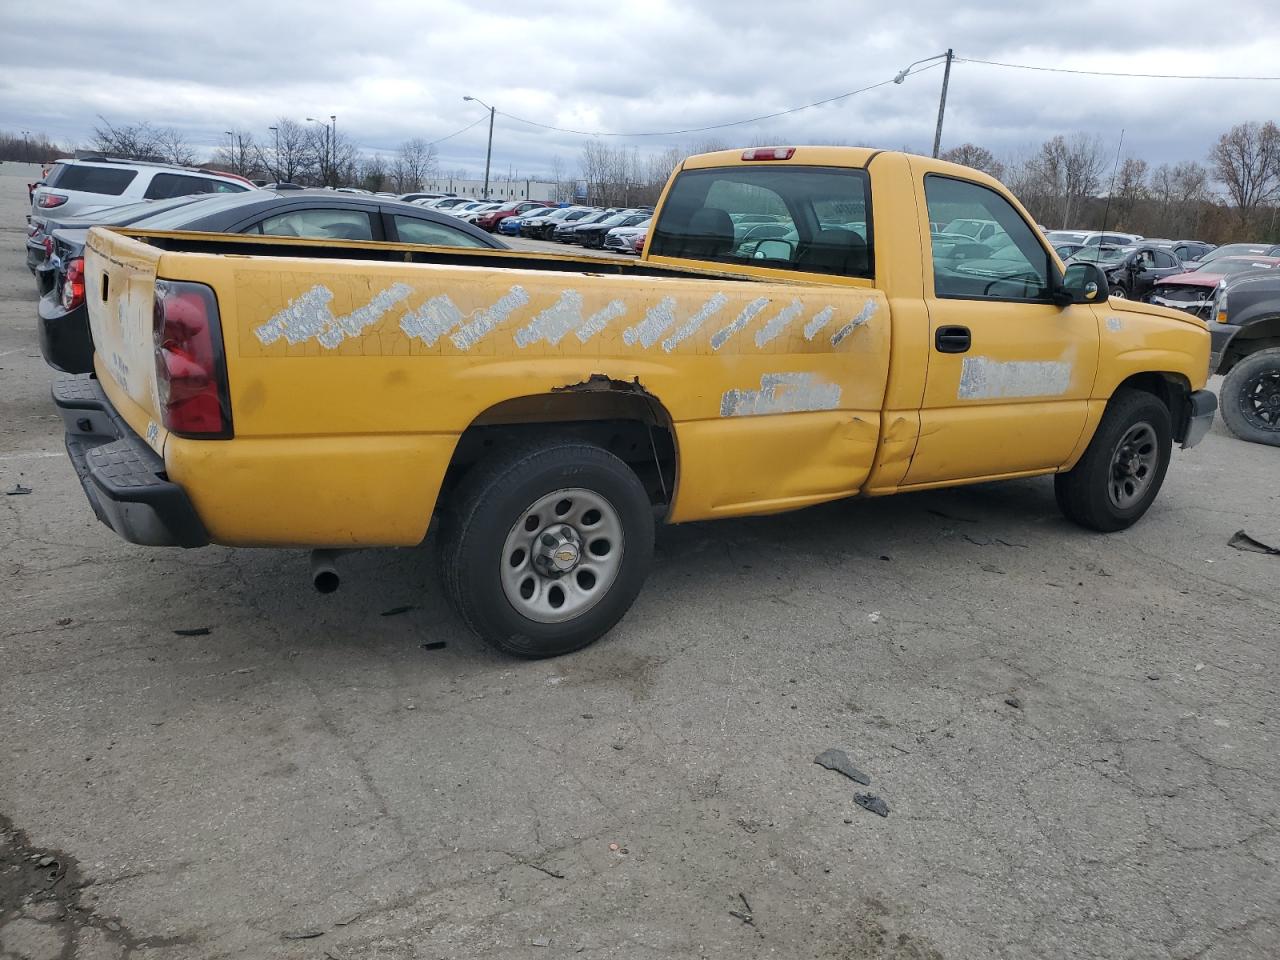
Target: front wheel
(1123, 467)
(548, 548)
(1118, 292)
(1251, 398)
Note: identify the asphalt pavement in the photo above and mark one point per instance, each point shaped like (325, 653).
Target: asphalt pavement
(1074, 735)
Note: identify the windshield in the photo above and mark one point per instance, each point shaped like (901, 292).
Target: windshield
(1230, 266)
(819, 218)
(1235, 250)
(969, 228)
(1104, 254)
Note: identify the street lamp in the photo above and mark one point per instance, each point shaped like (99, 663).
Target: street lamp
(327, 164)
(942, 102)
(276, 131)
(488, 154)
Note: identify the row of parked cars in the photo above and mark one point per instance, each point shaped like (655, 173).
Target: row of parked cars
(622, 229)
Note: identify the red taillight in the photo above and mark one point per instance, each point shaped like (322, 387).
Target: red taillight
(769, 153)
(49, 200)
(191, 378)
(73, 284)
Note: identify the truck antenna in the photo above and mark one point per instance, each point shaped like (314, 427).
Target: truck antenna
(1106, 211)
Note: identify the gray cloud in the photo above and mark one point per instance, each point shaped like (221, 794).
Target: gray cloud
(391, 71)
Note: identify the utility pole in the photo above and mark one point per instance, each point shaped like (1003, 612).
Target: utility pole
(276, 131)
(333, 151)
(942, 103)
(488, 155)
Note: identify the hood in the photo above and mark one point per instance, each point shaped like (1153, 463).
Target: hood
(1196, 278)
(1114, 306)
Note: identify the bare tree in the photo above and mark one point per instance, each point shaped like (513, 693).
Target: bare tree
(415, 162)
(141, 141)
(28, 147)
(972, 155)
(1128, 190)
(373, 173)
(1179, 195)
(174, 147)
(289, 154)
(239, 155)
(1247, 161)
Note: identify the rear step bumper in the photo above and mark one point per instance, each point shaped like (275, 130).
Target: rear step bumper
(123, 478)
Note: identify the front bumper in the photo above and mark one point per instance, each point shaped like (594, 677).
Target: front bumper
(1220, 336)
(123, 478)
(1201, 406)
(65, 340)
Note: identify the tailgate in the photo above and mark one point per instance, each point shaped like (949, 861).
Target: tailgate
(120, 277)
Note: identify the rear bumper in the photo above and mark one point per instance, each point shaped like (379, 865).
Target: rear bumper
(123, 478)
(36, 255)
(65, 340)
(1201, 406)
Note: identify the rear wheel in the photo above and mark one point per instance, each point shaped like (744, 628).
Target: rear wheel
(548, 548)
(1118, 292)
(1251, 398)
(1123, 468)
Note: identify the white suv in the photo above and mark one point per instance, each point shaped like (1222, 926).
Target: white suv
(77, 186)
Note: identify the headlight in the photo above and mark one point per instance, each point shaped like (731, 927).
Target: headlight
(1220, 304)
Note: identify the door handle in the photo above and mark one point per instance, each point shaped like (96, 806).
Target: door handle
(953, 339)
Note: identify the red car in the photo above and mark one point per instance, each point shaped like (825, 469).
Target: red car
(637, 245)
(491, 219)
(1194, 290)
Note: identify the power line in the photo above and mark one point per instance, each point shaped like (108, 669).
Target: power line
(1108, 73)
(457, 132)
(714, 126)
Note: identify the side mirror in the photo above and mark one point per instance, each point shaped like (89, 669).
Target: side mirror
(1084, 283)
(773, 250)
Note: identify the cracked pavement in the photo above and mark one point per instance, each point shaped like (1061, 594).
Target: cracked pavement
(1075, 734)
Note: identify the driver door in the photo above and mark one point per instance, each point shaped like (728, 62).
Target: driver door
(1009, 371)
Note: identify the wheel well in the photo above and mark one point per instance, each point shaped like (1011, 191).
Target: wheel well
(1258, 335)
(1172, 389)
(616, 415)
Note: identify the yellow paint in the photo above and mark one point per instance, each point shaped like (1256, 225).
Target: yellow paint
(348, 445)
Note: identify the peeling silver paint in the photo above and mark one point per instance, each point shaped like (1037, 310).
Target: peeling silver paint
(657, 321)
(818, 321)
(781, 393)
(554, 322)
(984, 378)
(601, 319)
(486, 321)
(694, 323)
(774, 328)
(721, 337)
(864, 315)
(432, 320)
(1115, 324)
(309, 317)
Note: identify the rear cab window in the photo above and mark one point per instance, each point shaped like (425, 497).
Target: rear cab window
(807, 219)
(413, 230)
(1009, 264)
(108, 181)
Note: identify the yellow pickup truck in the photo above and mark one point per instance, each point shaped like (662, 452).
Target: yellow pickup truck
(801, 327)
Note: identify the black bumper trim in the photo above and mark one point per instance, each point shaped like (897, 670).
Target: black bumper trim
(1201, 407)
(65, 341)
(122, 477)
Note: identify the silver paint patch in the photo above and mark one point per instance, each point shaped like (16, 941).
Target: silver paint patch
(721, 337)
(660, 318)
(982, 378)
(818, 321)
(554, 322)
(773, 329)
(864, 315)
(1115, 324)
(694, 323)
(601, 319)
(487, 320)
(308, 317)
(432, 320)
(781, 393)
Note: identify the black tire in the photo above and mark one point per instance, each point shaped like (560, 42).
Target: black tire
(1118, 291)
(489, 507)
(1250, 397)
(1095, 493)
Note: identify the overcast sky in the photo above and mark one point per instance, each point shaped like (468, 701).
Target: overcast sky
(391, 71)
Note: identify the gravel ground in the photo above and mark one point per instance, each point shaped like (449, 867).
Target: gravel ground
(1074, 734)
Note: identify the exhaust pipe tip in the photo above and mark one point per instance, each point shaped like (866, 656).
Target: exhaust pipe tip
(324, 572)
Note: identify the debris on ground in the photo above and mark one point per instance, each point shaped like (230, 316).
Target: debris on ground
(17, 490)
(194, 632)
(396, 611)
(839, 761)
(869, 801)
(1242, 541)
(435, 645)
(303, 935)
(874, 616)
(746, 915)
(63, 621)
(1013, 702)
(541, 941)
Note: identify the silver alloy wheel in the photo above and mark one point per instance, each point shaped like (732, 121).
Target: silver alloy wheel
(562, 555)
(1133, 465)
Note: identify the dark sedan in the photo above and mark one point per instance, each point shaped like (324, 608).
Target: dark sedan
(565, 231)
(593, 234)
(1132, 272)
(64, 321)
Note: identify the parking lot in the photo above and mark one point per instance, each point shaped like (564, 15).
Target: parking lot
(1074, 734)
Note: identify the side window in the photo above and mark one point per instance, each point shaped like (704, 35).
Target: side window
(410, 230)
(331, 224)
(222, 186)
(1165, 260)
(1010, 264)
(166, 185)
